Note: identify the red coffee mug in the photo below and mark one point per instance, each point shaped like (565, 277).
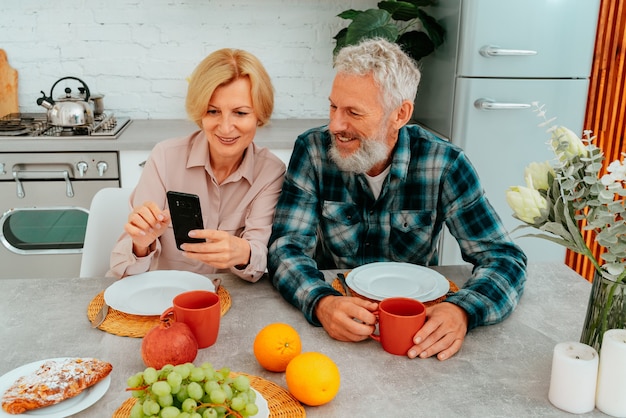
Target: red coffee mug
(399, 319)
(200, 310)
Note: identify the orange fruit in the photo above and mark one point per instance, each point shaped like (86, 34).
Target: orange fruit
(275, 346)
(313, 378)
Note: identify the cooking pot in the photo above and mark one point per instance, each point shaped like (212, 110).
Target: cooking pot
(96, 100)
(68, 110)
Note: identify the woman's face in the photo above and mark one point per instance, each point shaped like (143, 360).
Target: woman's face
(230, 122)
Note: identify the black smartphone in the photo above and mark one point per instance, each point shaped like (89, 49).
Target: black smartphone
(186, 215)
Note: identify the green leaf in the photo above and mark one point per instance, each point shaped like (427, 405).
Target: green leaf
(422, 3)
(619, 229)
(350, 14)
(416, 44)
(594, 167)
(432, 27)
(522, 226)
(614, 269)
(556, 240)
(590, 179)
(400, 10)
(340, 39)
(372, 23)
(557, 229)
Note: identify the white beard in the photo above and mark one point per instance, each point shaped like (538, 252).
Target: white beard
(371, 152)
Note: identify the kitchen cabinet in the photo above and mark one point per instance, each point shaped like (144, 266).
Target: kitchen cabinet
(499, 57)
(131, 165)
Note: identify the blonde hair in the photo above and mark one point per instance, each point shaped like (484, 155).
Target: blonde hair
(225, 66)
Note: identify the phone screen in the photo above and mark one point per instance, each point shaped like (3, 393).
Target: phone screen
(186, 215)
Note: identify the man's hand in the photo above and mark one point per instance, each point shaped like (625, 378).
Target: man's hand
(442, 334)
(346, 318)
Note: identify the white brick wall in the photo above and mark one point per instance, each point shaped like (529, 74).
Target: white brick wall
(138, 53)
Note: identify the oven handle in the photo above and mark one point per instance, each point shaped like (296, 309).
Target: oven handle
(19, 175)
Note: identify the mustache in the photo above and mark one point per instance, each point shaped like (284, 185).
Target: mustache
(346, 135)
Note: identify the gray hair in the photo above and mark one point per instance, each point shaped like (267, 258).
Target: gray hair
(393, 70)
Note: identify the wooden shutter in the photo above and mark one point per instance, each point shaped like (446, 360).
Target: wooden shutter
(606, 104)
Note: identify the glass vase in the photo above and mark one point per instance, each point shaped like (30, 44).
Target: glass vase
(606, 310)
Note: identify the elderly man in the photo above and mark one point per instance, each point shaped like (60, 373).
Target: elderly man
(368, 188)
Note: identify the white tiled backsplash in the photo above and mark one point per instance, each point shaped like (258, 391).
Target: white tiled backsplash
(138, 53)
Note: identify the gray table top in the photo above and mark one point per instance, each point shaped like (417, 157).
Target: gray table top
(501, 370)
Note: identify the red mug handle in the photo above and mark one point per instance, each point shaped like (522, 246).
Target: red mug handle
(169, 311)
(373, 336)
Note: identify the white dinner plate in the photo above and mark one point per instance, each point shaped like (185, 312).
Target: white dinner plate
(152, 292)
(63, 409)
(388, 279)
(261, 403)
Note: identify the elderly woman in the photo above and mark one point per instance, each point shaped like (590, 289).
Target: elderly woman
(230, 94)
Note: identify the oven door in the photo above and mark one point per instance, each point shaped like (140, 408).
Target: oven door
(42, 233)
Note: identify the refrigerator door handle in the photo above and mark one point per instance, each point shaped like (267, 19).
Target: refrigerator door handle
(495, 51)
(490, 104)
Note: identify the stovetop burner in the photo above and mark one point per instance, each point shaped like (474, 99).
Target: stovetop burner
(12, 125)
(13, 129)
(26, 125)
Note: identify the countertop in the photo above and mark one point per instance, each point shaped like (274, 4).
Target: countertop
(502, 370)
(143, 134)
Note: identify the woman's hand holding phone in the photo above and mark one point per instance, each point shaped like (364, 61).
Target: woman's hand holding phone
(217, 248)
(220, 249)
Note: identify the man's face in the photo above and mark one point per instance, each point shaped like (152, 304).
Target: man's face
(362, 134)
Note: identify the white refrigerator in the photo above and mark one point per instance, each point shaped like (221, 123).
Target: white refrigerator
(500, 56)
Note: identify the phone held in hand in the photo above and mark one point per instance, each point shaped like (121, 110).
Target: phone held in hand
(186, 215)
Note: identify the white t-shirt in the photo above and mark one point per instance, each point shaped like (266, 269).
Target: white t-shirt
(376, 182)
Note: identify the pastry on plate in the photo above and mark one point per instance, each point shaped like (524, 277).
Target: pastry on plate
(53, 382)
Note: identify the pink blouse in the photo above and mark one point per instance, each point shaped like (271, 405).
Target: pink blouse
(243, 204)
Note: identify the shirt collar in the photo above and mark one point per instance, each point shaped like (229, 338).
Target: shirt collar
(199, 152)
(401, 155)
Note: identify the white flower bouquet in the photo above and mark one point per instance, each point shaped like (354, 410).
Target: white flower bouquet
(568, 195)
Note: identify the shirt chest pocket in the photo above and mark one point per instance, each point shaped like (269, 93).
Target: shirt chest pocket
(411, 233)
(339, 226)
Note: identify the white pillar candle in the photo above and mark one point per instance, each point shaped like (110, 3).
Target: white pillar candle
(611, 396)
(574, 377)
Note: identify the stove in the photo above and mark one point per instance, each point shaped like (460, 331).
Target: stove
(35, 125)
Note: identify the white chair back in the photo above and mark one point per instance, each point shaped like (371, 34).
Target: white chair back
(107, 215)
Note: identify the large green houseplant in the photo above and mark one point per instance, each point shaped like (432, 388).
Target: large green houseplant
(403, 22)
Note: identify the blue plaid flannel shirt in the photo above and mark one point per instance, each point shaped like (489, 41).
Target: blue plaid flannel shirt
(326, 219)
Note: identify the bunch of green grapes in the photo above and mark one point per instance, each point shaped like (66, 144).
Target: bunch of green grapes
(187, 391)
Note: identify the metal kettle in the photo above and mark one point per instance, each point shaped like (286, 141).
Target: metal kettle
(68, 111)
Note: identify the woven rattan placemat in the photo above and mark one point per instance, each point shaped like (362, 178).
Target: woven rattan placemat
(280, 402)
(127, 325)
(336, 284)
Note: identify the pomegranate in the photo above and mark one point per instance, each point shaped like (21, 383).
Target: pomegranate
(170, 342)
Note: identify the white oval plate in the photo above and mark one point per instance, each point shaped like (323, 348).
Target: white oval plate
(261, 403)
(63, 409)
(152, 292)
(388, 279)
